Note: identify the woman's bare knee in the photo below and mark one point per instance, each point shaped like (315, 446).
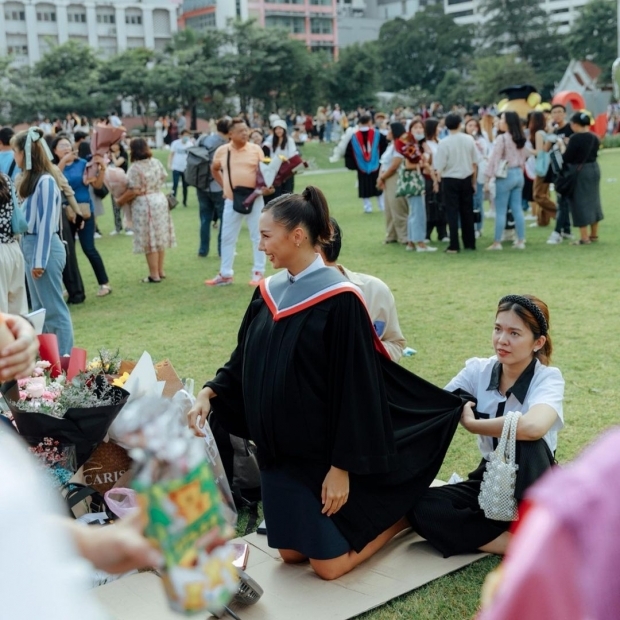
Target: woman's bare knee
(331, 569)
(291, 557)
(497, 546)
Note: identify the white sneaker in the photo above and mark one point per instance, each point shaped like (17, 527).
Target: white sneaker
(530, 218)
(554, 238)
(129, 233)
(97, 235)
(519, 245)
(490, 215)
(426, 248)
(478, 234)
(446, 240)
(508, 235)
(533, 225)
(568, 236)
(114, 232)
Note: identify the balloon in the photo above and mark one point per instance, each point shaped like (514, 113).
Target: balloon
(534, 99)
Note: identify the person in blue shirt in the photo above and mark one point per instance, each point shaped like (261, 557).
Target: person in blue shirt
(7, 161)
(73, 167)
(44, 252)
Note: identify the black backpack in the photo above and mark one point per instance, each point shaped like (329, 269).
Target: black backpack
(198, 170)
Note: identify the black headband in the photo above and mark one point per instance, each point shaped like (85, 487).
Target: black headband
(528, 304)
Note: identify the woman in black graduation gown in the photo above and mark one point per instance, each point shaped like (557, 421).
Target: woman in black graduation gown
(347, 439)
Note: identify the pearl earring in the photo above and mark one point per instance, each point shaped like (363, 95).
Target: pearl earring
(297, 244)
(535, 350)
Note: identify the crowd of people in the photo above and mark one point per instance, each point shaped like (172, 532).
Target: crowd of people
(436, 173)
(336, 486)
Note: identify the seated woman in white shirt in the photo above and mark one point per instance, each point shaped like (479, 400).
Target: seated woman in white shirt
(280, 143)
(517, 378)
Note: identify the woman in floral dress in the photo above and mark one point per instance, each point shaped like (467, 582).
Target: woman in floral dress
(152, 224)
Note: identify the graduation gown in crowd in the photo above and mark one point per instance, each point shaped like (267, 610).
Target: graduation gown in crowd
(363, 154)
(311, 384)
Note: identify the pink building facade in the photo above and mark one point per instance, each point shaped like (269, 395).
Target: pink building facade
(310, 21)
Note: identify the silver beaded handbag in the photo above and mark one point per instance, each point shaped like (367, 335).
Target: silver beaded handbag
(497, 489)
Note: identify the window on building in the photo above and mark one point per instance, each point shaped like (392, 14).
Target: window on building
(46, 16)
(451, 2)
(556, 11)
(461, 13)
(201, 22)
(17, 50)
(106, 18)
(289, 2)
(321, 2)
(296, 25)
(76, 18)
(321, 25)
(16, 16)
(135, 20)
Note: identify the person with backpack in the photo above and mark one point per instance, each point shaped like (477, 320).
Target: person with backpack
(210, 196)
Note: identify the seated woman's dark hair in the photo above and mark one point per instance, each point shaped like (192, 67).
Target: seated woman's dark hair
(514, 128)
(535, 314)
(139, 149)
(331, 248)
(308, 209)
(581, 118)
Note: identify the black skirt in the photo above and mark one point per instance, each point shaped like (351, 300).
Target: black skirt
(367, 184)
(294, 520)
(451, 519)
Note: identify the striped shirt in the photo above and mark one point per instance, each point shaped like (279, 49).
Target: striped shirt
(42, 212)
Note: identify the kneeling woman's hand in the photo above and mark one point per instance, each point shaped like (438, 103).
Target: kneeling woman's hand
(335, 491)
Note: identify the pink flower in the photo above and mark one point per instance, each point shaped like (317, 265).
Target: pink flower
(38, 372)
(23, 395)
(43, 364)
(22, 382)
(49, 396)
(36, 386)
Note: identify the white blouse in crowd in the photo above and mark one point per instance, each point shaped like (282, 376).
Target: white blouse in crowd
(388, 156)
(480, 378)
(505, 148)
(288, 152)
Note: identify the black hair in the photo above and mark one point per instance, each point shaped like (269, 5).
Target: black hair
(223, 125)
(535, 122)
(80, 135)
(54, 143)
(276, 141)
(430, 128)
(558, 105)
(6, 133)
(308, 209)
(332, 248)
(365, 119)
(397, 129)
(453, 121)
(514, 128)
(581, 118)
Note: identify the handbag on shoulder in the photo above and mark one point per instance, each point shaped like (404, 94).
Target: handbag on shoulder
(240, 194)
(409, 183)
(497, 489)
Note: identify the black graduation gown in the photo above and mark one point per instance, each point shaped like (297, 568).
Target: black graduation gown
(366, 183)
(312, 391)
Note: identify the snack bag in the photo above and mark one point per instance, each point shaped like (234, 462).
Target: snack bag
(182, 505)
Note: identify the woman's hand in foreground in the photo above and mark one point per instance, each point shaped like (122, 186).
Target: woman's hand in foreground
(197, 415)
(335, 491)
(116, 548)
(467, 415)
(18, 358)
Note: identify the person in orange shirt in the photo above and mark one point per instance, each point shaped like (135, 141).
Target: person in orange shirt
(235, 165)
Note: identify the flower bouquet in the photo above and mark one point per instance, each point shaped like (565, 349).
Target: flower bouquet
(272, 172)
(115, 179)
(102, 138)
(74, 407)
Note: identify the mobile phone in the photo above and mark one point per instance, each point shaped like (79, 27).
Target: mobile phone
(242, 551)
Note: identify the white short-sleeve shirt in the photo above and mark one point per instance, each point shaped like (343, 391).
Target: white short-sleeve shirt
(538, 385)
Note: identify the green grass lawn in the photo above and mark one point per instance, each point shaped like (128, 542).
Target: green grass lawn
(446, 307)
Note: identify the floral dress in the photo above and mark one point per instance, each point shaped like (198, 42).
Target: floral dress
(152, 225)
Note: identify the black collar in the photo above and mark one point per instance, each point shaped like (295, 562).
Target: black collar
(521, 385)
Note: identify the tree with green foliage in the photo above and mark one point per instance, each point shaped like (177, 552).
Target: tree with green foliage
(354, 79)
(454, 88)
(525, 29)
(594, 35)
(419, 51)
(492, 73)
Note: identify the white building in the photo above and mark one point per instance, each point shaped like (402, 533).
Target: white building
(201, 15)
(29, 28)
(562, 12)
